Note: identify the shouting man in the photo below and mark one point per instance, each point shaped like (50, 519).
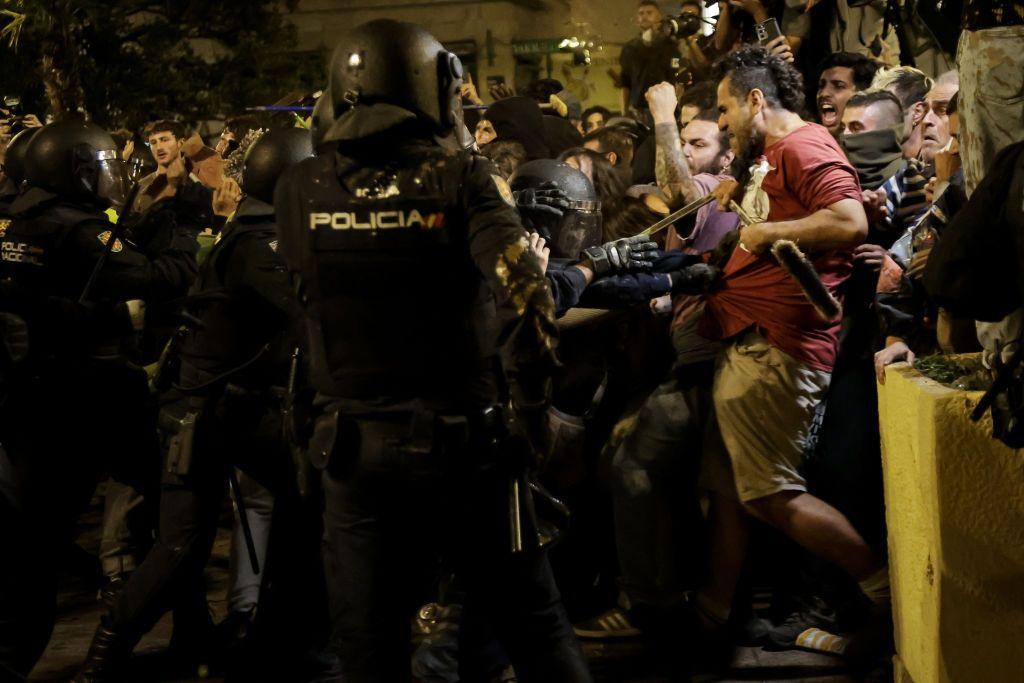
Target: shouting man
(842, 74)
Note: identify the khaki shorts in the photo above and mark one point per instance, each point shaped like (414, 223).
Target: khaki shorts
(764, 403)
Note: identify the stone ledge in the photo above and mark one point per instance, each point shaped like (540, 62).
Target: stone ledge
(955, 510)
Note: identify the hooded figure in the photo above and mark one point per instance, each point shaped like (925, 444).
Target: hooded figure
(560, 135)
(520, 119)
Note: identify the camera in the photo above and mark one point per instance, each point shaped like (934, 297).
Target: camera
(683, 26)
(15, 116)
(12, 103)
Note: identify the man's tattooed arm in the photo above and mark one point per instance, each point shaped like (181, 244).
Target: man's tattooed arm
(670, 168)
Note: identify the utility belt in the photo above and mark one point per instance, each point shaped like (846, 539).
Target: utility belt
(458, 441)
(234, 410)
(270, 397)
(477, 450)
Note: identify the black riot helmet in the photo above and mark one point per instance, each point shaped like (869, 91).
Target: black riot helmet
(393, 66)
(321, 120)
(580, 225)
(270, 156)
(77, 160)
(14, 157)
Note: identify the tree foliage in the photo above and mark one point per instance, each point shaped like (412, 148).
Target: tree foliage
(124, 62)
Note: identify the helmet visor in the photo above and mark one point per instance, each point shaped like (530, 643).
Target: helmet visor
(111, 178)
(580, 228)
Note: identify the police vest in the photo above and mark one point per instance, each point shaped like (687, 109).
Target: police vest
(40, 269)
(243, 339)
(395, 306)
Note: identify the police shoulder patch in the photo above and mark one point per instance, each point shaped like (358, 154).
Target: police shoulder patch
(105, 236)
(4, 222)
(503, 189)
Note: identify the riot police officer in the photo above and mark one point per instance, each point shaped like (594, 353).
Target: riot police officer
(14, 171)
(412, 267)
(222, 407)
(81, 290)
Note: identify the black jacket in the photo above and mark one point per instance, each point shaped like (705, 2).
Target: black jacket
(244, 301)
(975, 269)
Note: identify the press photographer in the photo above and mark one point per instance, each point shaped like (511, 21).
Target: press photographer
(667, 49)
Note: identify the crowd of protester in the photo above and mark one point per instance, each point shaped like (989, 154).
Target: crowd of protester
(712, 445)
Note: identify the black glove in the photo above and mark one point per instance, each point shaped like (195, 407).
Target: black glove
(696, 279)
(546, 198)
(623, 255)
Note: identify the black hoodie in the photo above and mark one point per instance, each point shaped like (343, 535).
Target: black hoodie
(520, 119)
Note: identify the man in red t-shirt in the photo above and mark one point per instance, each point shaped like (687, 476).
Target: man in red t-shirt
(777, 365)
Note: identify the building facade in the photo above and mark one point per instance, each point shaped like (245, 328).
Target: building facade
(516, 41)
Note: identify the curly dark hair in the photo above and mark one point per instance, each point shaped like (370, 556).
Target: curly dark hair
(610, 182)
(702, 95)
(632, 217)
(506, 154)
(612, 139)
(863, 68)
(752, 67)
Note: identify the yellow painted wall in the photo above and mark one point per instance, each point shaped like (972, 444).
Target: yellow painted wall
(955, 509)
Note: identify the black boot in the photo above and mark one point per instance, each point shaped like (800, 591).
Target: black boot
(108, 653)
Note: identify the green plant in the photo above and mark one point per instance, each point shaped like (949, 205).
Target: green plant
(125, 62)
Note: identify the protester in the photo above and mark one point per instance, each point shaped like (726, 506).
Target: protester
(935, 125)
(910, 86)
(698, 97)
(703, 148)
(520, 119)
(507, 155)
(560, 135)
(614, 143)
(872, 123)
(781, 352)
(654, 466)
(594, 118)
(842, 74)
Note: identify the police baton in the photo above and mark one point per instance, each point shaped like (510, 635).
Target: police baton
(243, 519)
(668, 220)
(115, 235)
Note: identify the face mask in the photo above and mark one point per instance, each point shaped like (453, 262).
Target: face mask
(876, 155)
